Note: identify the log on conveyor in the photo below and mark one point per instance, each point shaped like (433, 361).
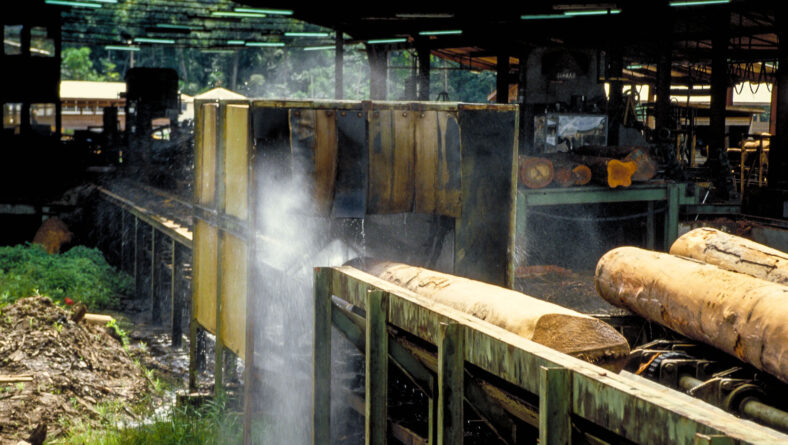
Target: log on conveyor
(647, 166)
(535, 173)
(568, 171)
(733, 253)
(609, 171)
(736, 313)
(562, 329)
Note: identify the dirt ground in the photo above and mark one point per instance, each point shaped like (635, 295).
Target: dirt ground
(77, 369)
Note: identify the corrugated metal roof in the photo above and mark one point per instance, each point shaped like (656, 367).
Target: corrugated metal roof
(80, 89)
(220, 93)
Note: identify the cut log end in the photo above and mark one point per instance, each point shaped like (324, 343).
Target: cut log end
(536, 173)
(619, 173)
(581, 174)
(587, 339)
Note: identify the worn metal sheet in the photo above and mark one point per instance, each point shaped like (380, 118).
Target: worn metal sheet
(206, 242)
(426, 158)
(236, 160)
(313, 142)
(391, 161)
(205, 161)
(438, 163)
(350, 190)
(484, 233)
(233, 294)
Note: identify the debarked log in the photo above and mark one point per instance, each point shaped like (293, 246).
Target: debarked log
(567, 171)
(736, 313)
(609, 171)
(646, 165)
(562, 329)
(733, 253)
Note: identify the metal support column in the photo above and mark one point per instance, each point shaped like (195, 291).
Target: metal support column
(526, 135)
(321, 414)
(176, 294)
(664, 66)
(155, 279)
(778, 153)
(339, 60)
(671, 215)
(377, 359)
(718, 156)
(615, 102)
(451, 364)
(555, 406)
(502, 78)
(138, 256)
(378, 71)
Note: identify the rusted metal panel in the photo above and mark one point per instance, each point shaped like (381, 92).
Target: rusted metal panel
(426, 158)
(205, 161)
(236, 160)
(206, 242)
(325, 159)
(350, 189)
(233, 294)
(391, 161)
(438, 163)
(484, 233)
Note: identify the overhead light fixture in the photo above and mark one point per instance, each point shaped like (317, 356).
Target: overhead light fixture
(264, 11)
(440, 33)
(634, 67)
(543, 16)
(237, 14)
(219, 51)
(122, 48)
(306, 34)
(319, 48)
(698, 3)
(376, 41)
(236, 42)
(149, 40)
(75, 4)
(426, 15)
(592, 12)
(265, 44)
(176, 26)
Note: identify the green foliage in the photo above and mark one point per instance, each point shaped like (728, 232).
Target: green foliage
(78, 64)
(81, 274)
(211, 423)
(120, 333)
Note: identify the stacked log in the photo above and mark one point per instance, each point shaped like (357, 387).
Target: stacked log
(551, 325)
(611, 166)
(737, 313)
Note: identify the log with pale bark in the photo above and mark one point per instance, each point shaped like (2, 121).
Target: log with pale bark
(551, 325)
(535, 172)
(736, 313)
(733, 253)
(646, 165)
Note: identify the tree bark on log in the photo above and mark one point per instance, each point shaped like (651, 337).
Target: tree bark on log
(567, 171)
(736, 313)
(536, 173)
(733, 253)
(647, 166)
(551, 325)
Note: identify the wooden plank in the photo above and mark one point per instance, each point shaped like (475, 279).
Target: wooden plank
(451, 370)
(555, 406)
(205, 159)
(205, 280)
(176, 294)
(376, 369)
(321, 414)
(155, 278)
(233, 288)
(350, 188)
(713, 439)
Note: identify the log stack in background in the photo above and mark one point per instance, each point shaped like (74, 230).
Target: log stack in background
(611, 166)
(737, 313)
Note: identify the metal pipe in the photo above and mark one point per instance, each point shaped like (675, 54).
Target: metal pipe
(749, 407)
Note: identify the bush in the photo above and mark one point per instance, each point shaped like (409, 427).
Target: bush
(81, 274)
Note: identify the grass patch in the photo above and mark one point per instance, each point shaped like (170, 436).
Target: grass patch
(211, 423)
(81, 274)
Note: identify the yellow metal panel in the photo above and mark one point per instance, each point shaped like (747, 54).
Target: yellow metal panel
(236, 160)
(205, 161)
(426, 152)
(391, 161)
(205, 267)
(233, 297)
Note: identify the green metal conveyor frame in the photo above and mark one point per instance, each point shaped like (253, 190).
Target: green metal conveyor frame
(574, 397)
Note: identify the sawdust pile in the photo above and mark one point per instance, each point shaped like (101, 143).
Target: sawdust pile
(74, 368)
